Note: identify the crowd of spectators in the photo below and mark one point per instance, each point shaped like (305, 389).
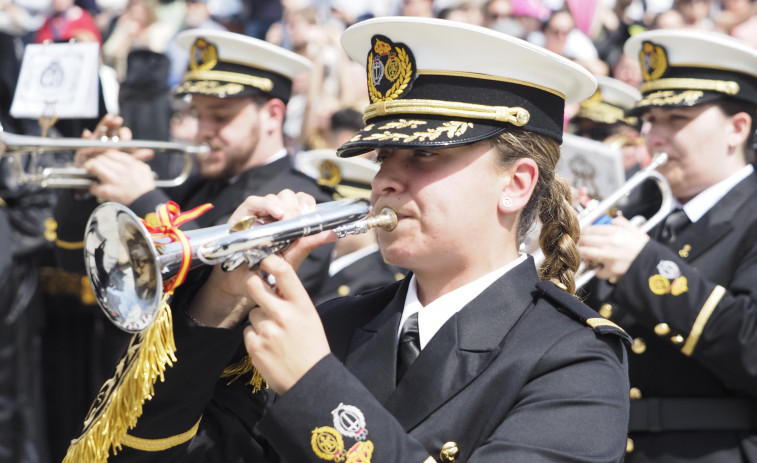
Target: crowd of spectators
(589, 32)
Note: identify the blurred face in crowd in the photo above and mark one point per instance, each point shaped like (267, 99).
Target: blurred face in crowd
(693, 11)
(498, 10)
(422, 8)
(232, 129)
(698, 140)
(556, 31)
(60, 6)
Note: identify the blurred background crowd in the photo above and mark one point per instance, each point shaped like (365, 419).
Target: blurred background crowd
(141, 64)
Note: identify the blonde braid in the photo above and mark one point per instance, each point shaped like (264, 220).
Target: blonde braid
(550, 200)
(559, 234)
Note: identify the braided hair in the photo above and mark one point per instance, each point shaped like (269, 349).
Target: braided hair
(550, 200)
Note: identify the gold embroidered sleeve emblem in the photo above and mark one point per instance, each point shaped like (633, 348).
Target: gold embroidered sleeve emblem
(659, 285)
(327, 443)
(361, 452)
(679, 286)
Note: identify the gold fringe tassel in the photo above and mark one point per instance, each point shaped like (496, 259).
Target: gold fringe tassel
(241, 367)
(123, 396)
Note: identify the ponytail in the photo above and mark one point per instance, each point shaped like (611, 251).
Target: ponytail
(550, 200)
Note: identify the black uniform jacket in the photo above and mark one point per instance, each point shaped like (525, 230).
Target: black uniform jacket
(692, 309)
(366, 273)
(518, 375)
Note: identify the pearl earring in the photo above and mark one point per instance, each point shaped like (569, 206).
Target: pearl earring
(506, 202)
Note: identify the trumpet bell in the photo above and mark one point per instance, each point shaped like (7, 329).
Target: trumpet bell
(119, 256)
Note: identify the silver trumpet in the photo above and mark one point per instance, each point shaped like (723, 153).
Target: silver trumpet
(595, 211)
(15, 147)
(127, 266)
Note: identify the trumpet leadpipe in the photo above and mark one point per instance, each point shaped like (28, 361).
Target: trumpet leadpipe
(127, 266)
(386, 219)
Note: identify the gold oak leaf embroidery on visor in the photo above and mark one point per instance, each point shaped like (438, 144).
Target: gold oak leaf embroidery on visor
(452, 129)
(210, 88)
(669, 97)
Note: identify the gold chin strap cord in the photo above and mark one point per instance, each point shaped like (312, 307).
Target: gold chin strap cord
(516, 115)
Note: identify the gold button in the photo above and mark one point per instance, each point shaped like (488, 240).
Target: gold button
(605, 310)
(399, 276)
(639, 346)
(662, 329)
(629, 445)
(677, 339)
(635, 393)
(343, 290)
(449, 452)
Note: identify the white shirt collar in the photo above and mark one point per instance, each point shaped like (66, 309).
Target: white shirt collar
(698, 206)
(435, 314)
(276, 156)
(337, 265)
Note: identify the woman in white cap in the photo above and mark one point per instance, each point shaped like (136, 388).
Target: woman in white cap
(472, 357)
(686, 292)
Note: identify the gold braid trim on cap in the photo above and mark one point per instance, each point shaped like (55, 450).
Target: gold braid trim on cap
(157, 445)
(262, 83)
(516, 116)
(118, 406)
(728, 87)
(704, 315)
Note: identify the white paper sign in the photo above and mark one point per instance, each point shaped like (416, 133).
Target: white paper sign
(595, 165)
(58, 79)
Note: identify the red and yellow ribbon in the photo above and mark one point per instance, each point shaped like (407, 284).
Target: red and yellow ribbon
(168, 220)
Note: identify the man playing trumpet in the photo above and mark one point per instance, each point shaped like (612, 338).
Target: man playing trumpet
(239, 89)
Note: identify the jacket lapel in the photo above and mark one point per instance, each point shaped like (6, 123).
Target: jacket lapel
(716, 223)
(372, 354)
(463, 348)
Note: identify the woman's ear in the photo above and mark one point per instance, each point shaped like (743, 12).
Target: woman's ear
(524, 174)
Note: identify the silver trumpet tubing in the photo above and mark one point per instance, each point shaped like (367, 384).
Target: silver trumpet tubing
(595, 211)
(15, 147)
(127, 266)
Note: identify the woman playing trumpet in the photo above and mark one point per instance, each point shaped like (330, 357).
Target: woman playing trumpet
(505, 367)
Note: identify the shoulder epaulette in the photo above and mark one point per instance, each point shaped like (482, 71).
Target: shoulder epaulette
(570, 305)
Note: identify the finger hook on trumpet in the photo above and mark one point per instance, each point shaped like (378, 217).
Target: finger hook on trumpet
(127, 266)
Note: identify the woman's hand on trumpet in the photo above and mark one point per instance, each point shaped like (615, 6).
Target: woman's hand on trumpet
(285, 337)
(224, 300)
(610, 249)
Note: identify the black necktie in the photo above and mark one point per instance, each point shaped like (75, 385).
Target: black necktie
(409, 346)
(674, 223)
